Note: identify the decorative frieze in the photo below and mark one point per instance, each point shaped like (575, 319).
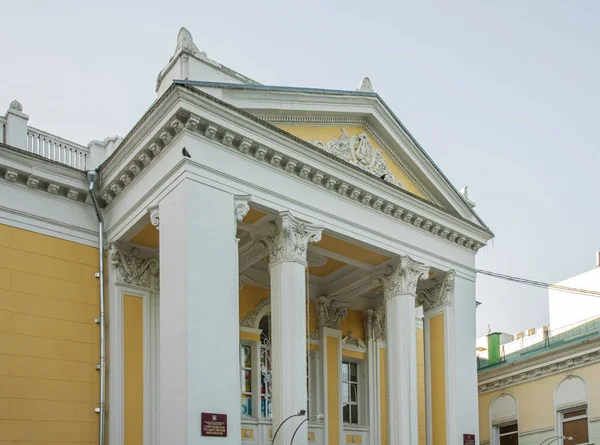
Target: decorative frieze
(331, 313)
(540, 372)
(132, 270)
(437, 295)
(403, 277)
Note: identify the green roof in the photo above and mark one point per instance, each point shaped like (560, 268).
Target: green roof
(578, 334)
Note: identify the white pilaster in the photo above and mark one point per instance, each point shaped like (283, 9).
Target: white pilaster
(373, 373)
(199, 326)
(16, 126)
(400, 288)
(287, 244)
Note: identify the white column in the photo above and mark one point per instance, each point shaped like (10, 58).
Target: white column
(400, 288)
(199, 326)
(287, 244)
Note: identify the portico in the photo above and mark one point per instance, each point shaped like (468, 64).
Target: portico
(312, 258)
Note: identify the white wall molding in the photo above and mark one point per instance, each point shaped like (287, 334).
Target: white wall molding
(536, 372)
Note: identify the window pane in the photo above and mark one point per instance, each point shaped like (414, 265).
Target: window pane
(511, 439)
(266, 409)
(353, 372)
(345, 393)
(346, 413)
(579, 412)
(246, 381)
(354, 393)
(508, 428)
(344, 372)
(246, 356)
(353, 413)
(246, 405)
(577, 429)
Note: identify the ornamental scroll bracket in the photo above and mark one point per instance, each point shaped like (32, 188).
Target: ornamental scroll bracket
(131, 269)
(359, 151)
(439, 294)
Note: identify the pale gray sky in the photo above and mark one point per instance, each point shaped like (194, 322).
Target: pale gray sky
(503, 95)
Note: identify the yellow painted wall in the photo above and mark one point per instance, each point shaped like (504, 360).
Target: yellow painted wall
(354, 322)
(250, 296)
(133, 378)
(438, 380)
(383, 400)
(326, 134)
(333, 391)
(49, 342)
(536, 400)
(421, 387)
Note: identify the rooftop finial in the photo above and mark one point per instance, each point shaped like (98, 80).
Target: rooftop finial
(366, 85)
(185, 42)
(465, 192)
(16, 105)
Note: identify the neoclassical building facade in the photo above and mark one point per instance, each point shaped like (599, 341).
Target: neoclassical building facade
(275, 263)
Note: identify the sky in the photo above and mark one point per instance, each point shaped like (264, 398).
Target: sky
(502, 95)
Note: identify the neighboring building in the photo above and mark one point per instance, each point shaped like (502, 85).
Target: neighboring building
(268, 250)
(568, 307)
(545, 382)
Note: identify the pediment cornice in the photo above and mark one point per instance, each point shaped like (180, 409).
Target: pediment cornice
(234, 129)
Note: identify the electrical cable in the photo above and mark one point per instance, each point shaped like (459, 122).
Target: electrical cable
(540, 284)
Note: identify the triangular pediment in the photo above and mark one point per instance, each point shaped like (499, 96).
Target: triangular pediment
(357, 146)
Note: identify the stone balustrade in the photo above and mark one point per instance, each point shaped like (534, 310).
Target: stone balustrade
(57, 149)
(15, 132)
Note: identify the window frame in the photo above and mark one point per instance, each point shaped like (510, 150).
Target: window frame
(362, 395)
(561, 419)
(498, 436)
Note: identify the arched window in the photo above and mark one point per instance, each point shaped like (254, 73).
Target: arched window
(571, 402)
(504, 417)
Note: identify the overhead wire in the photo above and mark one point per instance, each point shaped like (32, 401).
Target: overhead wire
(540, 284)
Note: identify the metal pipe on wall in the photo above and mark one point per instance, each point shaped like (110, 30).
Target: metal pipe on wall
(92, 177)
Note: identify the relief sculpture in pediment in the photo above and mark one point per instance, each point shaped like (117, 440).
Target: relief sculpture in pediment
(359, 151)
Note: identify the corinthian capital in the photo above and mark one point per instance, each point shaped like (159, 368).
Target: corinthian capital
(403, 277)
(437, 295)
(331, 313)
(374, 324)
(288, 239)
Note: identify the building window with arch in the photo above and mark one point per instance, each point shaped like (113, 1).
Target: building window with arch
(504, 420)
(571, 401)
(354, 395)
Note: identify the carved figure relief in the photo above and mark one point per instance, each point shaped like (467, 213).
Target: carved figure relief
(359, 151)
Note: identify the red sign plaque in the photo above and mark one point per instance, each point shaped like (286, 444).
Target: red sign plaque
(468, 439)
(214, 425)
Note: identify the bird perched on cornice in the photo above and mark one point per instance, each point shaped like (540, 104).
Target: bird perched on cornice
(185, 153)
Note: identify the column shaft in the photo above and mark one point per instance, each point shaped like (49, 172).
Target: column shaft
(287, 243)
(199, 326)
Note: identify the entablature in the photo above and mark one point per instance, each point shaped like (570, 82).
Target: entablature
(188, 110)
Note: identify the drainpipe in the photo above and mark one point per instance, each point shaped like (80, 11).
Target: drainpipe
(92, 177)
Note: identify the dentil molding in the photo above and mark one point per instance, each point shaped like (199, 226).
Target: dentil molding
(183, 120)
